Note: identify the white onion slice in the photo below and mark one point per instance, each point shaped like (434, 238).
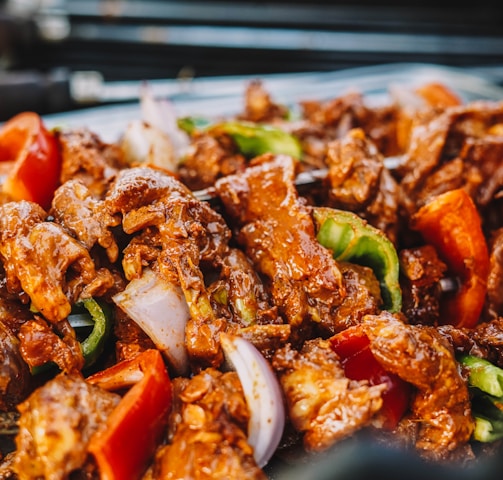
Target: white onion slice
(161, 311)
(161, 114)
(263, 395)
(144, 143)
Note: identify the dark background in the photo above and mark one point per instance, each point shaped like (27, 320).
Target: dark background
(41, 47)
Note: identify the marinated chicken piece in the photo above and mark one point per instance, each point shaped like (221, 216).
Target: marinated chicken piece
(259, 105)
(86, 158)
(336, 117)
(208, 158)
(421, 356)
(56, 424)
(181, 236)
(359, 182)
(81, 214)
(241, 291)
(494, 302)
(452, 150)
(421, 271)
(322, 403)
(43, 260)
(485, 340)
(16, 380)
(278, 234)
(363, 296)
(41, 343)
(267, 338)
(210, 437)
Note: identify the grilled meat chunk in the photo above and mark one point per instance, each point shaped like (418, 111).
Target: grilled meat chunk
(87, 158)
(277, 233)
(421, 271)
(421, 356)
(43, 260)
(322, 403)
(56, 424)
(209, 438)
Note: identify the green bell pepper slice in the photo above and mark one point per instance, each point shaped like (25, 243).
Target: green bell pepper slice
(353, 240)
(94, 344)
(252, 139)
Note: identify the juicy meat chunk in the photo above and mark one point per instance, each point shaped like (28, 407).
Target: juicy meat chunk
(43, 260)
(421, 356)
(322, 403)
(209, 158)
(359, 182)
(278, 234)
(259, 106)
(209, 440)
(15, 376)
(178, 235)
(79, 212)
(86, 158)
(494, 303)
(56, 424)
(421, 271)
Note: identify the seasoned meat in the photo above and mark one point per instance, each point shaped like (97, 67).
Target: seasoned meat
(322, 403)
(242, 292)
(43, 260)
(41, 343)
(359, 182)
(208, 158)
(181, 236)
(210, 436)
(363, 296)
(421, 356)
(259, 106)
(56, 424)
(277, 232)
(82, 215)
(86, 158)
(452, 150)
(15, 378)
(494, 303)
(421, 271)
(484, 340)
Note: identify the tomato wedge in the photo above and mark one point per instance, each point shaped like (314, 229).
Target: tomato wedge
(353, 348)
(36, 160)
(452, 224)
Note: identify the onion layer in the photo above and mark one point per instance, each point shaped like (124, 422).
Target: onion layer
(263, 395)
(161, 311)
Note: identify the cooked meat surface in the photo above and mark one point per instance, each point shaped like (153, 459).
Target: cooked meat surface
(322, 403)
(421, 356)
(277, 233)
(210, 436)
(56, 424)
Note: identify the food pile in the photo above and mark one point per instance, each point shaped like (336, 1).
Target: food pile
(179, 304)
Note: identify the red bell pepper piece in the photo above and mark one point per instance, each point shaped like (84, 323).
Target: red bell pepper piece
(135, 427)
(452, 224)
(353, 348)
(34, 157)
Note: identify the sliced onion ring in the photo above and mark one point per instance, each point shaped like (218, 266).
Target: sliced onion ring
(161, 311)
(263, 395)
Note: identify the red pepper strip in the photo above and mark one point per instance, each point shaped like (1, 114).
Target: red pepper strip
(353, 348)
(451, 223)
(135, 427)
(35, 157)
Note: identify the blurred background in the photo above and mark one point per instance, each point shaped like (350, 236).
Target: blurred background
(56, 55)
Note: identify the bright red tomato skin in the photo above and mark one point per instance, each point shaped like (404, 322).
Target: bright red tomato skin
(35, 156)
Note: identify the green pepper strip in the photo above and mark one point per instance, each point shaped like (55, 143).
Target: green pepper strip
(353, 240)
(486, 384)
(93, 345)
(251, 138)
